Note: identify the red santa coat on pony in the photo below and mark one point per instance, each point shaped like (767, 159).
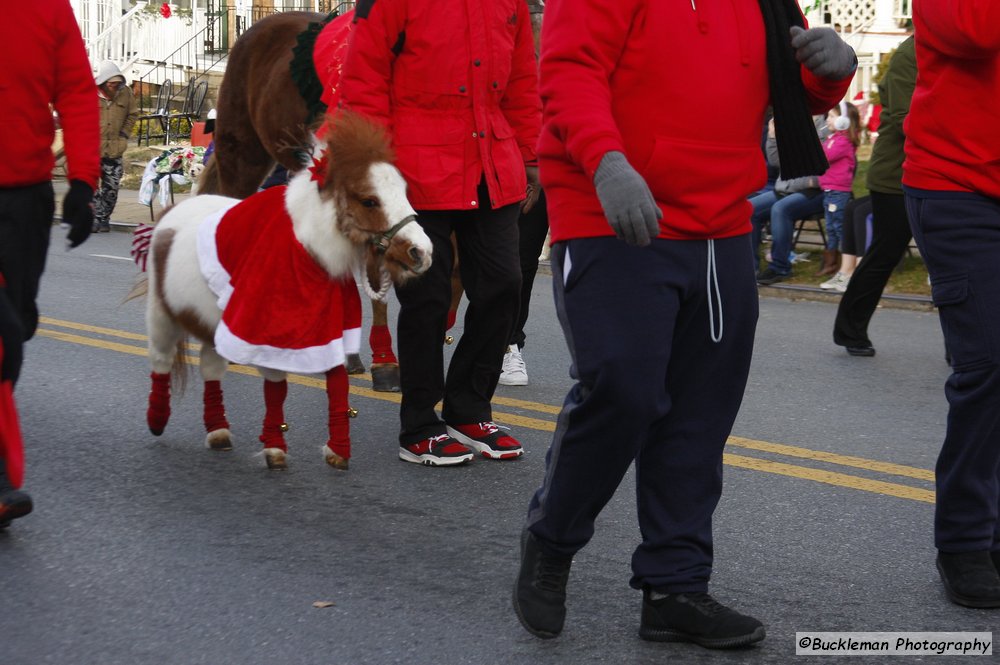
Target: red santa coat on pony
(280, 308)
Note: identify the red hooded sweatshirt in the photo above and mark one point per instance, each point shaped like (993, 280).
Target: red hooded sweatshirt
(680, 88)
(44, 62)
(953, 129)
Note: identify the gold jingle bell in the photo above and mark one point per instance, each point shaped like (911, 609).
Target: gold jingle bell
(448, 339)
(284, 427)
(352, 412)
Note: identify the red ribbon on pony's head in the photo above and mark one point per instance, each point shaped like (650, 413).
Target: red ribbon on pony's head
(320, 167)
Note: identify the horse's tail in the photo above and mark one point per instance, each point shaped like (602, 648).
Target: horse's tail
(180, 371)
(139, 289)
(209, 181)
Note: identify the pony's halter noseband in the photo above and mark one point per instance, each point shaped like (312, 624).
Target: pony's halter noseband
(381, 240)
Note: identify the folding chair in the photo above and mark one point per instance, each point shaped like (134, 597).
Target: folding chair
(819, 219)
(160, 115)
(194, 100)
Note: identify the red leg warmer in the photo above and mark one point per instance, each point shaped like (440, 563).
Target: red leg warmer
(340, 426)
(272, 434)
(380, 339)
(158, 412)
(215, 409)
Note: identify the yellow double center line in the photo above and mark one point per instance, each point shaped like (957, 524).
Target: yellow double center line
(836, 478)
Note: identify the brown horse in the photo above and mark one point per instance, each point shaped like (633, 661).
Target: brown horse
(264, 118)
(235, 273)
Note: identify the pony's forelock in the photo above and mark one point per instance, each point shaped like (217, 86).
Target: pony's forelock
(353, 144)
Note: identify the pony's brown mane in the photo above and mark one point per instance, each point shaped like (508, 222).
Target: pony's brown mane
(354, 143)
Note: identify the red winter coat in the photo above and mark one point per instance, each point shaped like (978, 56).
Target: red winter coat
(680, 88)
(44, 62)
(456, 84)
(952, 133)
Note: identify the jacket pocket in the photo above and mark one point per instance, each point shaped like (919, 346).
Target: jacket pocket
(963, 324)
(685, 175)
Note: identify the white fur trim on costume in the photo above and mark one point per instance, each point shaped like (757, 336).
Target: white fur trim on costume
(308, 360)
(215, 274)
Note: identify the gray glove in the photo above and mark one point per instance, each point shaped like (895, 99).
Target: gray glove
(823, 52)
(627, 202)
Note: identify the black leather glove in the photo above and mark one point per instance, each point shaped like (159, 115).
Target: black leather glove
(534, 190)
(78, 212)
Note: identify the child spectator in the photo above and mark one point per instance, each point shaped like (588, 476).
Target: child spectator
(840, 147)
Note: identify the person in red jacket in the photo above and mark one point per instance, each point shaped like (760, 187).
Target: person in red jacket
(653, 275)
(45, 67)
(951, 183)
(456, 87)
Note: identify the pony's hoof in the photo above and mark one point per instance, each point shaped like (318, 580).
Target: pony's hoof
(276, 458)
(385, 378)
(335, 460)
(220, 439)
(353, 364)
(156, 431)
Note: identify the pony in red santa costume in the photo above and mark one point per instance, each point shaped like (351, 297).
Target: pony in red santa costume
(267, 281)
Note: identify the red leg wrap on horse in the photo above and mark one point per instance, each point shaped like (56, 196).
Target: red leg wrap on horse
(158, 412)
(340, 426)
(380, 339)
(272, 434)
(215, 409)
(452, 315)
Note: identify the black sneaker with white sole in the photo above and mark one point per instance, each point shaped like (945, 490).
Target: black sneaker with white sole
(697, 618)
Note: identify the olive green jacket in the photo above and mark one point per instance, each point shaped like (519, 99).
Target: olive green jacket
(885, 171)
(118, 117)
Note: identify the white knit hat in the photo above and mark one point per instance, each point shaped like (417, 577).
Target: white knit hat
(107, 71)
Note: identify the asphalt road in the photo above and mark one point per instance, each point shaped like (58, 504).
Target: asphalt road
(146, 550)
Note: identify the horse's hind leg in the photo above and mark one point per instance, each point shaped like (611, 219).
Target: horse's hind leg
(272, 433)
(385, 367)
(164, 337)
(213, 368)
(338, 448)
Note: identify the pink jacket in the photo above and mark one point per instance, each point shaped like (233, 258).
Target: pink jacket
(840, 153)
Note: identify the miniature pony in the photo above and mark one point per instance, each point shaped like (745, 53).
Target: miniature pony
(267, 281)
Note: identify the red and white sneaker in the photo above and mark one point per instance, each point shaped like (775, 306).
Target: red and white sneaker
(441, 450)
(488, 440)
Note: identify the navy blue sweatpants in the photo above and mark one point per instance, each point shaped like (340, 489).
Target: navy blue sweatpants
(652, 387)
(959, 239)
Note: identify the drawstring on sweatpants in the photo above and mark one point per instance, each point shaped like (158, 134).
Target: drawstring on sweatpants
(712, 283)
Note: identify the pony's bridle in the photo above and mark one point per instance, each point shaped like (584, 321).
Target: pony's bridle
(381, 240)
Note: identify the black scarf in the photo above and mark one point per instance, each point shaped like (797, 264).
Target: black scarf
(799, 149)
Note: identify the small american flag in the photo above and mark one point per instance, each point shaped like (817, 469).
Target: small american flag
(141, 238)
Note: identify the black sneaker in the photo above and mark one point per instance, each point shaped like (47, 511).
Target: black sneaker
(698, 618)
(13, 504)
(540, 589)
(768, 276)
(864, 350)
(970, 578)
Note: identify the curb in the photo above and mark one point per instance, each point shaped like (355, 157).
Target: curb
(814, 293)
